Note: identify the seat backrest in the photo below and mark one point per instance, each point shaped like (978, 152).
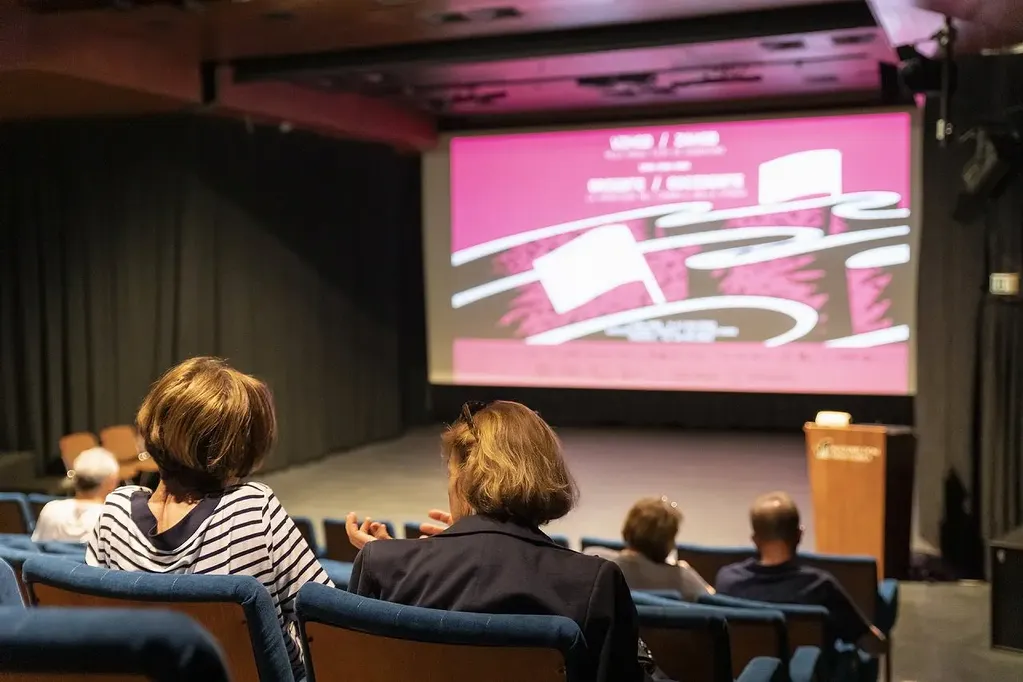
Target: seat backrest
(16, 558)
(587, 542)
(751, 632)
(804, 625)
(75, 444)
(79, 645)
(336, 544)
(707, 561)
(688, 642)
(36, 502)
(15, 515)
(356, 639)
(561, 540)
(236, 610)
(308, 531)
(339, 572)
(857, 574)
(121, 440)
(10, 587)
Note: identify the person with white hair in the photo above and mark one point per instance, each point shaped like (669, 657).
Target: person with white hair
(95, 475)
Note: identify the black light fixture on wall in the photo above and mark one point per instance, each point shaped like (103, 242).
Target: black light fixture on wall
(933, 76)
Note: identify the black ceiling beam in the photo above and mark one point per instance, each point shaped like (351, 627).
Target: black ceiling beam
(784, 21)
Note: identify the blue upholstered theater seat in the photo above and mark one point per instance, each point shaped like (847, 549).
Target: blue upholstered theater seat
(340, 572)
(22, 541)
(67, 550)
(754, 633)
(90, 644)
(336, 544)
(237, 610)
(692, 643)
(560, 540)
(587, 541)
(16, 558)
(877, 599)
(15, 514)
(807, 626)
(345, 632)
(10, 587)
(36, 502)
(308, 531)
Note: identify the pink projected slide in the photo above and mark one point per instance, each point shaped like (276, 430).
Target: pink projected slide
(766, 256)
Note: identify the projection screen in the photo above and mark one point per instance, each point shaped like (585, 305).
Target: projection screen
(766, 255)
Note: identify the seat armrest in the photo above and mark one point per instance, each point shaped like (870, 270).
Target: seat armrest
(762, 669)
(887, 611)
(807, 665)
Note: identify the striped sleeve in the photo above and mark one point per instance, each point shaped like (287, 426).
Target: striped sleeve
(293, 565)
(95, 552)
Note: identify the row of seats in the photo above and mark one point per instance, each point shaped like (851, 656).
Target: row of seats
(349, 637)
(878, 600)
(121, 440)
(337, 547)
(752, 630)
(19, 511)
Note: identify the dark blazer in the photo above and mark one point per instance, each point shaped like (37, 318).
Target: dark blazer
(483, 565)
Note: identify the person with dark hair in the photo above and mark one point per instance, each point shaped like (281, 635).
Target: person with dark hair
(506, 477)
(649, 532)
(776, 574)
(208, 426)
(95, 475)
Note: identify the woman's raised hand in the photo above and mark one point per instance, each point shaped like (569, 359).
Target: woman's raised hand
(369, 531)
(430, 529)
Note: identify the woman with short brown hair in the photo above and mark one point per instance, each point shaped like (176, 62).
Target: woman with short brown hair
(506, 477)
(649, 532)
(208, 426)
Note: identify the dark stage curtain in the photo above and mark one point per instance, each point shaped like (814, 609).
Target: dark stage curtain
(1000, 386)
(1000, 379)
(950, 285)
(129, 245)
(969, 404)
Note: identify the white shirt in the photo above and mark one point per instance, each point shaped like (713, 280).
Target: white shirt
(67, 520)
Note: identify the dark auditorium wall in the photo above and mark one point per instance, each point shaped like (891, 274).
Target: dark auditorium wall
(129, 245)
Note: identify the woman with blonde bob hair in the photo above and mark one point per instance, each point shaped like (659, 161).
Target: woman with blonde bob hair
(506, 477)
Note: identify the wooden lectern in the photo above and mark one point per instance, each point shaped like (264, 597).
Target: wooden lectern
(861, 478)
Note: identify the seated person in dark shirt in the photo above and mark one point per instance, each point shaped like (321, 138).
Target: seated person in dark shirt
(777, 576)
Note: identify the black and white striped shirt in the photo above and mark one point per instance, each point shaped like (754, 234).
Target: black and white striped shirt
(243, 531)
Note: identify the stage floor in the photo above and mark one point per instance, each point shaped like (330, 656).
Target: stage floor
(942, 634)
(713, 477)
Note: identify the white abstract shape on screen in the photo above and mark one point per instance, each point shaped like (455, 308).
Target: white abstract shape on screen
(881, 257)
(872, 339)
(593, 264)
(803, 174)
(804, 318)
